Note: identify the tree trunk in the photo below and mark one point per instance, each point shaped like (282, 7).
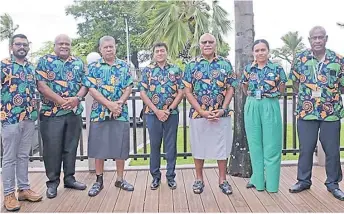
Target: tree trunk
(240, 163)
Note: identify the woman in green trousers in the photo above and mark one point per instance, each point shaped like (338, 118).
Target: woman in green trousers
(263, 82)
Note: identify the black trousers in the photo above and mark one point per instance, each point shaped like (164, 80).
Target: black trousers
(329, 137)
(60, 137)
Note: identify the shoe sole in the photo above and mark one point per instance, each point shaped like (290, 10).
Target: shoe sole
(97, 193)
(154, 188)
(26, 199)
(68, 187)
(13, 209)
(297, 191)
(173, 188)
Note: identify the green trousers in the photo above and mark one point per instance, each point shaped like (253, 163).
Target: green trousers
(263, 124)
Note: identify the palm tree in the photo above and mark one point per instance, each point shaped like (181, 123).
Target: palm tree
(292, 45)
(181, 23)
(7, 28)
(240, 163)
(340, 24)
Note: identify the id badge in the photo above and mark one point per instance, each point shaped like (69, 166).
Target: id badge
(258, 94)
(316, 94)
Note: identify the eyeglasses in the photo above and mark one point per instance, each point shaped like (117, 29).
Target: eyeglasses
(209, 42)
(18, 45)
(317, 38)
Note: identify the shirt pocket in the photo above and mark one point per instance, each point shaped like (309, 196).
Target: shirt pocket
(332, 78)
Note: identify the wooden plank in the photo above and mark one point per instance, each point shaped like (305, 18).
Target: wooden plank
(138, 197)
(243, 210)
(312, 201)
(180, 204)
(124, 197)
(110, 197)
(207, 197)
(283, 202)
(194, 200)
(294, 198)
(250, 198)
(223, 202)
(83, 198)
(38, 185)
(319, 192)
(165, 195)
(265, 198)
(49, 205)
(95, 202)
(68, 201)
(151, 204)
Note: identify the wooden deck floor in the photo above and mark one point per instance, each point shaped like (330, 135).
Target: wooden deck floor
(111, 199)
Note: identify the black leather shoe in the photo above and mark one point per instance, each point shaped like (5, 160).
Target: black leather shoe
(155, 183)
(249, 185)
(75, 185)
(226, 188)
(95, 189)
(338, 194)
(298, 187)
(124, 185)
(172, 184)
(51, 192)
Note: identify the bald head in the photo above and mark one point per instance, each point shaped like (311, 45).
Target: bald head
(207, 36)
(317, 29)
(62, 46)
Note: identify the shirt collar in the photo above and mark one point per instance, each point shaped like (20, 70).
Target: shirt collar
(69, 59)
(328, 55)
(155, 64)
(201, 57)
(269, 64)
(13, 60)
(102, 61)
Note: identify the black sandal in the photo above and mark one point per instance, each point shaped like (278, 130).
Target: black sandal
(95, 189)
(198, 187)
(226, 188)
(124, 185)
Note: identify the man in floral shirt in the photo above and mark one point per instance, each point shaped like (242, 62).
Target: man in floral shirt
(18, 113)
(318, 76)
(209, 86)
(161, 91)
(59, 79)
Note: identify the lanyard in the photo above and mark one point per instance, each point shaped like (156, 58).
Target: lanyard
(318, 68)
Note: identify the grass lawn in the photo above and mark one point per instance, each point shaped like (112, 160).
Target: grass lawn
(189, 160)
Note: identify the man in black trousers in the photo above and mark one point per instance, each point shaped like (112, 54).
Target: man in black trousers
(59, 80)
(318, 77)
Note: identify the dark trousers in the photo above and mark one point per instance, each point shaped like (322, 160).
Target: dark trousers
(60, 137)
(329, 137)
(166, 131)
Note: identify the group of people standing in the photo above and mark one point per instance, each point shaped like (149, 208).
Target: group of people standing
(208, 83)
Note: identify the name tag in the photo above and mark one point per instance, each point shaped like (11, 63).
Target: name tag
(258, 94)
(316, 94)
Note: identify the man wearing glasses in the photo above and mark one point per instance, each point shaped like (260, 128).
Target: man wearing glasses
(59, 79)
(318, 77)
(18, 113)
(209, 83)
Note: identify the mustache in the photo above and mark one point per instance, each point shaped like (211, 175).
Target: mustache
(22, 50)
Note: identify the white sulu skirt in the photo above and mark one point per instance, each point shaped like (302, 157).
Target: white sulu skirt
(211, 139)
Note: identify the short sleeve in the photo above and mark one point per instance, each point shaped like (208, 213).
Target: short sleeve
(187, 78)
(232, 80)
(282, 75)
(294, 74)
(90, 80)
(245, 75)
(41, 72)
(341, 73)
(2, 74)
(127, 77)
(82, 70)
(143, 84)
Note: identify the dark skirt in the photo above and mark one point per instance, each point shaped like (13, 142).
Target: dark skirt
(109, 140)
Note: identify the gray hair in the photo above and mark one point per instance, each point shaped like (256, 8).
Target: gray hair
(106, 38)
(62, 36)
(320, 28)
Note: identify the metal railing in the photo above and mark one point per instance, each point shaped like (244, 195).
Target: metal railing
(139, 142)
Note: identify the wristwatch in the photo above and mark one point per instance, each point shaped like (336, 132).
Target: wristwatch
(79, 98)
(170, 109)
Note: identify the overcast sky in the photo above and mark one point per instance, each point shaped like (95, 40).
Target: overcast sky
(42, 20)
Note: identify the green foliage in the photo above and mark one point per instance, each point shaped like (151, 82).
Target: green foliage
(181, 23)
(7, 28)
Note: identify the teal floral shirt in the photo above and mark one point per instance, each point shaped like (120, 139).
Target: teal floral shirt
(111, 81)
(209, 82)
(267, 79)
(18, 89)
(328, 75)
(62, 77)
(161, 85)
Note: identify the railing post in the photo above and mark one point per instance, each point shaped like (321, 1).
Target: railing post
(88, 105)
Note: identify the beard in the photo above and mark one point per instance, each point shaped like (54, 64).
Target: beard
(20, 54)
